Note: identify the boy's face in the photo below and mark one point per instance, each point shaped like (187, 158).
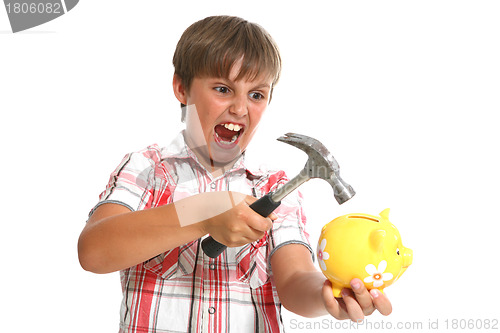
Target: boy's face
(223, 115)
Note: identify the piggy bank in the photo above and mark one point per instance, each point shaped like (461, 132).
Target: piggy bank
(365, 247)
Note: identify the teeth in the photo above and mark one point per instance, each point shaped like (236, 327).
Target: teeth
(232, 127)
(233, 139)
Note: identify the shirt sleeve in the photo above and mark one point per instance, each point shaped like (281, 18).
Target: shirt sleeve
(290, 226)
(131, 184)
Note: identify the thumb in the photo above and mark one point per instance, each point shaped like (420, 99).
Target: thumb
(331, 303)
(250, 200)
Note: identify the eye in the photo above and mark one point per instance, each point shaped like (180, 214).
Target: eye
(397, 251)
(256, 96)
(222, 89)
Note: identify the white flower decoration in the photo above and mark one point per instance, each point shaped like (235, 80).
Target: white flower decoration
(377, 275)
(322, 255)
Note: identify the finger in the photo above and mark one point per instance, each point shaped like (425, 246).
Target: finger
(381, 302)
(235, 198)
(332, 305)
(246, 237)
(354, 310)
(254, 235)
(363, 297)
(250, 200)
(259, 223)
(269, 223)
(257, 229)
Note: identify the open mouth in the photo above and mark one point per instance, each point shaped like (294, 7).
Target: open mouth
(228, 133)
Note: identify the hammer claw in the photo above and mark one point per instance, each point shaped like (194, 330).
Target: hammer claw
(318, 154)
(320, 164)
(303, 142)
(298, 140)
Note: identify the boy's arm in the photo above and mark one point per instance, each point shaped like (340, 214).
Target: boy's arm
(115, 238)
(305, 291)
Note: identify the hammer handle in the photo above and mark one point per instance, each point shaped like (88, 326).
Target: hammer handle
(264, 206)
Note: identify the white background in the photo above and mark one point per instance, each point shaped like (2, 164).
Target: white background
(403, 93)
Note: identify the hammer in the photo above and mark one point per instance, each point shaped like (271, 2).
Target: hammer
(321, 164)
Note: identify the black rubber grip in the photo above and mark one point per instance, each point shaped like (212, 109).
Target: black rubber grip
(264, 206)
(212, 248)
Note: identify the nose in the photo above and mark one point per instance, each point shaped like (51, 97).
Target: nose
(239, 105)
(407, 257)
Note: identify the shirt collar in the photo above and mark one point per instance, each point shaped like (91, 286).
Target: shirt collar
(178, 149)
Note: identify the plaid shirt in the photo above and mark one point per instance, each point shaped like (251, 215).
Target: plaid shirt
(183, 290)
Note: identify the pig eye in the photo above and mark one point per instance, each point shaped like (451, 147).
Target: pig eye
(397, 251)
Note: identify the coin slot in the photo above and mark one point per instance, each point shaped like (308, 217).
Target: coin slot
(363, 217)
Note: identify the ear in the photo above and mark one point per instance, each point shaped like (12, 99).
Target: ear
(385, 214)
(377, 238)
(179, 89)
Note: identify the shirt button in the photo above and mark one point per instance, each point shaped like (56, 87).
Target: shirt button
(213, 186)
(211, 266)
(211, 310)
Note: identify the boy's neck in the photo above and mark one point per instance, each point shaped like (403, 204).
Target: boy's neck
(216, 169)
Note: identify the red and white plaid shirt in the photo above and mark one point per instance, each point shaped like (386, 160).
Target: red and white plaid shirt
(183, 290)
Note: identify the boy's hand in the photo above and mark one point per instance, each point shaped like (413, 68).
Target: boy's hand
(238, 224)
(355, 304)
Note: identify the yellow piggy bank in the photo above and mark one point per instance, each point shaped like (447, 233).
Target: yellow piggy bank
(365, 247)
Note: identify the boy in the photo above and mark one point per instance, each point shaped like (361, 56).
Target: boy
(160, 202)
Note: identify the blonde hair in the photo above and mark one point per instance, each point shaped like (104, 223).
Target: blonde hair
(211, 46)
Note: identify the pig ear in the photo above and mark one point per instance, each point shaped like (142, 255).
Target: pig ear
(385, 213)
(377, 240)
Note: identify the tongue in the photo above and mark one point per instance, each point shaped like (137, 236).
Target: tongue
(224, 133)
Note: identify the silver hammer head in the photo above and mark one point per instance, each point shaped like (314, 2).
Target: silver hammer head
(321, 164)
